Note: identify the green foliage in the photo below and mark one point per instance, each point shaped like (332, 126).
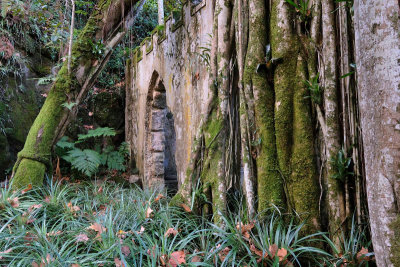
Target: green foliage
(351, 72)
(342, 166)
(354, 248)
(88, 161)
(52, 218)
(315, 90)
(99, 132)
(98, 49)
(302, 8)
(69, 105)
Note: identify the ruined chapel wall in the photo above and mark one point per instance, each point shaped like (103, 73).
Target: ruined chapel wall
(173, 53)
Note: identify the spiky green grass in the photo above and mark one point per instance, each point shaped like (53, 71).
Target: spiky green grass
(104, 224)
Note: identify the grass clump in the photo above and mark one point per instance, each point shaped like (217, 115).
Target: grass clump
(104, 224)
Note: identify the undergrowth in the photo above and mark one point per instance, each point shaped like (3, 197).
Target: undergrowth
(103, 224)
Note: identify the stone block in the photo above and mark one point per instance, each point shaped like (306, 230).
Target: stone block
(159, 100)
(157, 120)
(157, 141)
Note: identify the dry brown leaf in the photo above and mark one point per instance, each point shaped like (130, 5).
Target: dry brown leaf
(142, 229)
(29, 187)
(273, 249)
(54, 233)
(14, 202)
(160, 196)
(5, 252)
(282, 253)
(97, 227)
(196, 258)
(186, 207)
(126, 250)
(245, 229)
(82, 238)
(119, 263)
(73, 208)
(223, 253)
(361, 253)
(75, 265)
(176, 258)
(256, 251)
(171, 231)
(149, 212)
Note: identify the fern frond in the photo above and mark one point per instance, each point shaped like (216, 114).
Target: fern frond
(102, 131)
(115, 161)
(86, 161)
(64, 143)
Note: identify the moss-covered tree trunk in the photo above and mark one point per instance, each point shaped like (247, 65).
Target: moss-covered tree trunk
(50, 124)
(269, 181)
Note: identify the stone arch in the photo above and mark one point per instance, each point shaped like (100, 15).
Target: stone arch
(159, 143)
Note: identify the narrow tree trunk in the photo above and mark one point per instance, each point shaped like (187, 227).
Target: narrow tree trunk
(160, 12)
(53, 119)
(377, 27)
(332, 138)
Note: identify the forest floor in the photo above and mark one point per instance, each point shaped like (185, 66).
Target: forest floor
(105, 224)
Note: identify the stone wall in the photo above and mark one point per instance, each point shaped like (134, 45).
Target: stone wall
(167, 90)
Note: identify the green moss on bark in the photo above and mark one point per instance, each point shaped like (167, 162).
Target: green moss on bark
(303, 181)
(269, 181)
(395, 241)
(35, 157)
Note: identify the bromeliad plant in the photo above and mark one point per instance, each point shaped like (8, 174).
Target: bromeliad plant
(88, 161)
(102, 223)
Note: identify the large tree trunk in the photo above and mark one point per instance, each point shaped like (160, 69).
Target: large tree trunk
(377, 27)
(50, 124)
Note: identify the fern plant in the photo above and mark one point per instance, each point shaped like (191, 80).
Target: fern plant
(88, 161)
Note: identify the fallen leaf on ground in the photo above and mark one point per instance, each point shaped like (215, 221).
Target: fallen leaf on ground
(119, 263)
(171, 231)
(27, 189)
(223, 253)
(73, 208)
(149, 212)
(82, 238)
(75, 265)
(186, 207)
(160, 196)
(361, 254)
(57, 233)
(97, 227)
(5, 252)
(142, 229)
(273, 249)
(176, 258)
(282, 253)
(125, 250)
(14, 202)
(245, 229)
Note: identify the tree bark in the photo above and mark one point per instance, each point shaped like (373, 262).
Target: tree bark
(332, 138)
(50, 124)
(377, 27)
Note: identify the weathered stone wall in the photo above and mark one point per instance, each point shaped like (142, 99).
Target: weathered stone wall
(170, 65)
